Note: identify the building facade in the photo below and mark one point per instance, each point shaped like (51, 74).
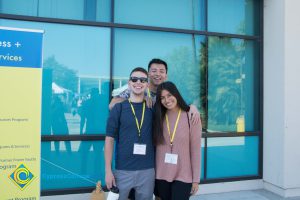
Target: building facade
(214, 50)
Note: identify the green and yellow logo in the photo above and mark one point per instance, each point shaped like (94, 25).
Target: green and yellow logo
(22, 176)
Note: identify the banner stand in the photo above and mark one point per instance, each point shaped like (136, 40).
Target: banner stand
(20, 113)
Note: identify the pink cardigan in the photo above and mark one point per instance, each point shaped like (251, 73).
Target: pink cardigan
(187, 144)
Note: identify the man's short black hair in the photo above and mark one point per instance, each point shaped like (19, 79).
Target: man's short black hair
(158, 61)
(139, 69)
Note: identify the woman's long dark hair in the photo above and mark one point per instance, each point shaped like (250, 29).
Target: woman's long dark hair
(160, 110)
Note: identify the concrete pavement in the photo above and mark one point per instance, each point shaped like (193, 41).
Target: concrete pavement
(243, 195)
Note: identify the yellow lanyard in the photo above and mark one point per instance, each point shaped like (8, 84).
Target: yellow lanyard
(175, 127)
(148, 93)
(139, 127)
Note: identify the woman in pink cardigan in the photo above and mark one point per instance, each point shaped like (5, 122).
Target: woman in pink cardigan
(178, 146)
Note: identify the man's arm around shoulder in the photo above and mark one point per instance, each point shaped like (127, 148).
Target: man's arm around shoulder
(194, 114)
(114, 101)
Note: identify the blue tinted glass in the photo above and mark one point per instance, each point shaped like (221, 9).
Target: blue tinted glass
(72, 164)
(90, 10)
(231, 157)
(181, 51)
(234, 16)
(233, 85)
(185, 14)
(75, 77)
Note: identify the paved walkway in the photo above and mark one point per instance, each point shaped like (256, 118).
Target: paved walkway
(243, 195)
(240, 195)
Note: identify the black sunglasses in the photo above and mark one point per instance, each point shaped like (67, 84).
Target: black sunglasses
(142, 79)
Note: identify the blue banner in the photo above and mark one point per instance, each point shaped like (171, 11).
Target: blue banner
(20, 50)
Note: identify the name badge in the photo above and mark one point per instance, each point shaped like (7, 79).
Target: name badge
(139, 149)
(171, 158)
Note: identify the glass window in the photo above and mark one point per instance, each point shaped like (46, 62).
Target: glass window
(76, 71)
(233, 85)
(71, 164)
(183, 14)
(181, 52)
(234, 16)
(90, 10)
(232, 157)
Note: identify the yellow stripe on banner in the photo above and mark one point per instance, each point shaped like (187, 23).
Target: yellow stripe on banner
(20, 119)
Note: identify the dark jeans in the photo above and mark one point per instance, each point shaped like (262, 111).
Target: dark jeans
(175, 190)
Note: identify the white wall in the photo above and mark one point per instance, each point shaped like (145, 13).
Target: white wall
(273, 91)
(292, 94)
(282, 96)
